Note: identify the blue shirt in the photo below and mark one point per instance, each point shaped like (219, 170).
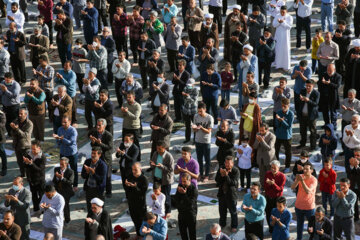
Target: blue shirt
(327, 1)
(299, 82)
(68, 80)
(284, 128)
(173, 11)
(280, 233)
(258, 207)
(54, 215)
(158, 171)
(158, 231)
(210, 91)
(11, 96)
(68, 145)
(344, 207)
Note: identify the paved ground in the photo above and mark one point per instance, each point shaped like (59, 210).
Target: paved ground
(208, 210)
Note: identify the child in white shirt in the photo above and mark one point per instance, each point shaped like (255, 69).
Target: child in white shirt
(244, 162)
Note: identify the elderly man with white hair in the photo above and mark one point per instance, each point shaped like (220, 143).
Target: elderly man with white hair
(61, 106)
(154, 28)
(39, 45)
(274, 187)
(98, 222)
(216, 234)
(351, 138)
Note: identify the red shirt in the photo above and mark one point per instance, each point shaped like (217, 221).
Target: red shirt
(46, 10)
(327, 184)
(274, 190)
(226, 80)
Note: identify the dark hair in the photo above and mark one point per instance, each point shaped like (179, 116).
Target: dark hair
(308, 164)
(68, 61)
(15, 4)
(285, 101)
(345, 180)
(267, 29)
(341, 22)
(210, 66)
(60, 11)
(150, 215)
(90, 1)
(264, 125)
(284, 7)
(244, 139)
(130, 135)
(281, 199)
(120, 6)
(224, 103)
(124, 235)
(137, 8)
(36, 143)
(49, 188)
(34, 80)
(256, 184)
(156, 185)
(104, 91)
(131, 93)
(79, 40)
(253, 94)
(202, 105)
(161, 144)
(255, 8)
(41, 16)
(304, 153)
(186, 149)
(310, 81)
(185, 38)
(9, 212)
(97, 149)
(318, 30)
(229, 158)
(303, 63)
(283, 78)
(8, 75)
(43, 58)
(328, 160)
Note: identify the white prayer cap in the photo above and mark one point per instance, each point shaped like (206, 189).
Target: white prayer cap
(356, 43)
(237, 6)
(248, 46)
(191, 81)
(209, 15)
(93, 70)
(97, 201)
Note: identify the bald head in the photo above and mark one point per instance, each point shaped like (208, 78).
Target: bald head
(331, 69)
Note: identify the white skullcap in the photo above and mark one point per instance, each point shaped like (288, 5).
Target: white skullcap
(237, 6)
(93, 70)
(191, 81)
(356, 43)
(248, 46)
(209, 15)
(97, 201)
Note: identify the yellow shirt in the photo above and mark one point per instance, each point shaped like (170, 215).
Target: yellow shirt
(248, 123)
(315, 47)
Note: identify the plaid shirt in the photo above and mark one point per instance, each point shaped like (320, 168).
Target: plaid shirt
(98, 58)
(47, 80)
(120, 27)
(136, 26)
(190, 102)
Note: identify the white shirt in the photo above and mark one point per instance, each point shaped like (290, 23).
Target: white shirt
(245, 157)
(352, 141)
(304, 10)
(122, 71)
(157, 206)
(275, 10)
(19, 19)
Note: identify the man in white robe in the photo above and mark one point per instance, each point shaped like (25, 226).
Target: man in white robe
(283, 23)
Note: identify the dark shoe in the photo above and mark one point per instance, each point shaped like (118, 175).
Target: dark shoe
(148, 170)
(186, 141)
(152, 113)
(3, 173)
(312, 148)
(108, 195)
(300, 146)
(342, 154)
(177, 120)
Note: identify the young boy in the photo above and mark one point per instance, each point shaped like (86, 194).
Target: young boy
(44, 27)
(328, 142)
(244, 163)
(227, 79)
(317, 40)
(227, 112)
(79, 67)
(327, 180)
(299, 164)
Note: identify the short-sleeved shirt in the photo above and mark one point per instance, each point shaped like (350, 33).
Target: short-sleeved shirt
(205, 122)
(192, 166)
(306, 201)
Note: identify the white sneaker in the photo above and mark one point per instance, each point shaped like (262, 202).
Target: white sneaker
(287, 170)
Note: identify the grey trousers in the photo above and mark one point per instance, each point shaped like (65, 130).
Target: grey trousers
(346, 225)
(39, 126)
(56, 231)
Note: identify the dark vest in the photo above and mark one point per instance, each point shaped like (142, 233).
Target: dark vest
(35, 109)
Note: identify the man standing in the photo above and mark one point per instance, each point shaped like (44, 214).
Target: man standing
(328, 52)
(90, 21)
(39, 45)
(2, 144)
(136, 23)
(209, 29)
(63, 181)
(98, 58)
(94, 172)
(227, 179)
(154, 28)
(104, 108)
(35, 100)
(180, 78)
(66, 138)
(98, 221)
(274, 183)
(280, 92)
(45, 8)
(4, 60)
(169, 11)
(344, 12)
(186, 202)
(15, 16)
(208, 55)
(8, 228)
(64, 28)
(137, 185)
(256, 22)
(161, 127)
(91, 89)
(145, 47)
(16, 47)
(108, 42)
(100, 6)
(21, 132)
(172, 38)
(194, 18)
(45, 74)
(60, 107)
(104, 139)
(52, 204)
(329, 94)
(327, 11)
(10, 99)
(162, 165)
(254, 206)
(225, 139)
(343, 204)
(303, 21)
(301, 73)
(352, 66)
(305, 200)
(351, 138)
(120, 69)
(187, 52)
(319, 225)
(187, 164)
(18, 199)
(266, 55)
(155, 66)
(265, 146)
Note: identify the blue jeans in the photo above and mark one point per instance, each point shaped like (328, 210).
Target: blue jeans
(56, 124)
(300, 218)
(225, 94)
(314, 65)
(102, 76)
(212, 104)
(64, 52)
(203, 151)
(327, 15)
(324, 198)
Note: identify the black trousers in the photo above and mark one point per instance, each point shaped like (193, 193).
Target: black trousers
(254, 228)
(18, 68)
(133, 46)
(137, 213)
(143, 73)
(188, 119)
(91, 193)
(171, 57)
(73, 111)
(136, 133)
(217, 16)
(297, 103)
(303, 23)
(266, 67)
(244, 6)
(50, 26)
(102, 16)
(356, 206)
(23, 7)
(225, 204)
(37, 191)
(119, 96)
(79, 80)
(124, 176)
(357, 24)
(306, 123)
(11, 113)
(89, 108)
(225, 6)
(121, 45)
(287, 145)
(108, 186)
(178, 103)
(67, 210)
(110, 75)
(270, 204)
(20, 161)
(187, 226)
(102, 76)
(245, 173)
